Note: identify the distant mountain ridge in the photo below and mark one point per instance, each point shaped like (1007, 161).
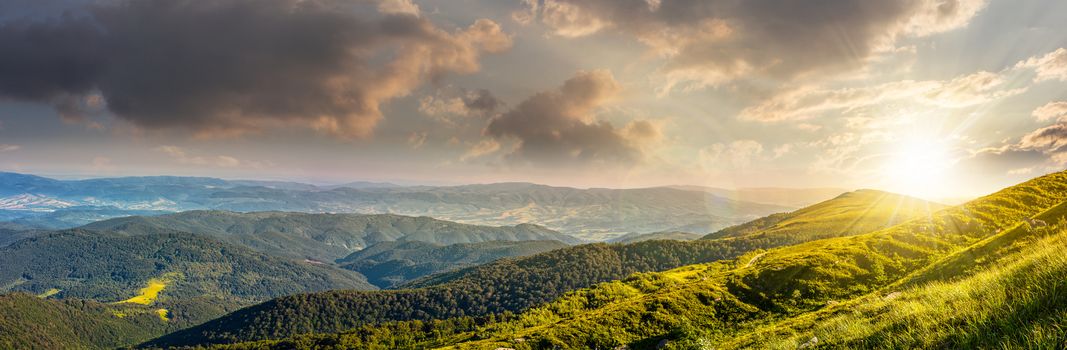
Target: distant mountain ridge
(322, 237)
(592, 214)
(666, 235)
(790, 197)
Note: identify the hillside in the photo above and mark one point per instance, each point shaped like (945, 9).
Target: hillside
(789, 197)
(666, 235)
(847, 214)
(321, 237)
(11, 232)
(508, 285)
(591, 214)
(390, 264)
(29, 322)
(969, 299)
(178, 271)
(717, 304)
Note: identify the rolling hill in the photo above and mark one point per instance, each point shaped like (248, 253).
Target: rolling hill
(969, 299)
(914, 285)
(850, 213)
(30, 322)
(321, 237)
(390, 264)
(194, 276)
(507, 285)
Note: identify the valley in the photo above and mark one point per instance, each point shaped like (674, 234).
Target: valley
(533, 174)
(468, 286)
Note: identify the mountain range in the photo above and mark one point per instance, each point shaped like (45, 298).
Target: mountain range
(594, 214)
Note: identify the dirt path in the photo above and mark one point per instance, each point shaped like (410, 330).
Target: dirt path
(753, 260)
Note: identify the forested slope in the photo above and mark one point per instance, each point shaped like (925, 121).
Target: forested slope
(508, 285)
(716, 304)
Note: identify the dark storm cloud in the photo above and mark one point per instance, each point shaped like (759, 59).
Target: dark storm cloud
(231, 66)
(46, 61)
(710, 42)
(560, 125)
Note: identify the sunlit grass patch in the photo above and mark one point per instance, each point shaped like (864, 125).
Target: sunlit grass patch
(48, 293)
(150, 293)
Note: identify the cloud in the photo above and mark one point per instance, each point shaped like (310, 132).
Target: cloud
(1046, 147)
(447, 104)
(1052, 111)
(417, 139)
(997, 161)
(482, 148)
(234, 66)
(561, 125)
(398, 6)
(711, 42)
(1052, 66)
(1050, 138)
(809, 102)
(180, 155)
(9, 147)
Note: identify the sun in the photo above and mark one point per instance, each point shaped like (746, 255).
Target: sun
(919, 167)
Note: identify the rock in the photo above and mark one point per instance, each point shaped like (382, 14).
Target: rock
(810, 343)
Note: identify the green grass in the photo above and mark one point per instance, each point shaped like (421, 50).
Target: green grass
(48, 293)
(826, 288)
(1018, 302)
(851, 213)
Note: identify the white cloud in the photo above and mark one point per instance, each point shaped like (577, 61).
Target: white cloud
(9, 147)
(1052, 66)
(180, 155)
(1052, 111)
(810, 102)
(398, 6)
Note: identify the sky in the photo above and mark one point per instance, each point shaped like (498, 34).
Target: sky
(934, 98)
